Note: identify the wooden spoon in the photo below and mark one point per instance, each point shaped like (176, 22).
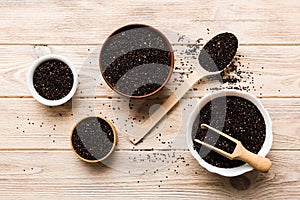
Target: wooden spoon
(214, 57)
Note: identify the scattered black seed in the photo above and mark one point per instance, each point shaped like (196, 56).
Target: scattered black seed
(136, 60)
(218, 52)
(53, 79)
(181, 38)
(93, 138)
(242, 121)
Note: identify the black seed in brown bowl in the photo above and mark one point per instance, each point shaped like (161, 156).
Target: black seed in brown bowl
(218, 52)
(136, 60)
(53, 79)
(93, 139)
(235, 116)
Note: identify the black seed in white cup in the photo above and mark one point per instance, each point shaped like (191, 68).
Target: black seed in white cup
(53, 79)
(235, 116)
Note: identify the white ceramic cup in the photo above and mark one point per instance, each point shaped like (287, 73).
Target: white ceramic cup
(229, 172)
(36, 95)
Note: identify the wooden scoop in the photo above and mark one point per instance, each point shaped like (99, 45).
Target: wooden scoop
(205, 65)
(240, 152)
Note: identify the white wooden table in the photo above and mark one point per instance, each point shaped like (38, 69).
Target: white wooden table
(36, 161)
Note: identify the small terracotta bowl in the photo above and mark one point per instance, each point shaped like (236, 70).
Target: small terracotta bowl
(114, 143)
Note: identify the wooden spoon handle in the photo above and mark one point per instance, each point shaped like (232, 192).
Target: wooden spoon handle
(259, 163)
(145, 128)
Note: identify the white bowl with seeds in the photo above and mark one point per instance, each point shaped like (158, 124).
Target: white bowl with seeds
(52, 80)
(194, 120)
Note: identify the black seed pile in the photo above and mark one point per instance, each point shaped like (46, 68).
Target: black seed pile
(53, 79)
(235, 76)
(218, 52)
(234, 116)
(92, 138)
(136, 60)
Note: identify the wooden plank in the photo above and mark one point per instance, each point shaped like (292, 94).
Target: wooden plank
(36, 160)
(269, 71)
(59, 173)
(30, 125)
(77, 22)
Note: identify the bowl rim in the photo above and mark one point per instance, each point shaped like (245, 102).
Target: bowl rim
(36, 95)
(229, 172)
(111, 150)
(171, 66)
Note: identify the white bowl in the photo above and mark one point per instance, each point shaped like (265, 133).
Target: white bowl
(36, 95)
(229, 172)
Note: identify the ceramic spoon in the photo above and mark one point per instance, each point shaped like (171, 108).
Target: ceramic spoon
(214, 57)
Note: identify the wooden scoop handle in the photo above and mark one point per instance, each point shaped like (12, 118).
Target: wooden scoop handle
(259, 163)
(146, 127)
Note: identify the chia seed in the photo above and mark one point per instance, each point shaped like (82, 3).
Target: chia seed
(218, 52)
(53, 79)
(243, 121)
(93, 138)
(136, 60)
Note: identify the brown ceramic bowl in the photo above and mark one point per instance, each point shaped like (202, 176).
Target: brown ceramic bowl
(105, 155)
(136, 61)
